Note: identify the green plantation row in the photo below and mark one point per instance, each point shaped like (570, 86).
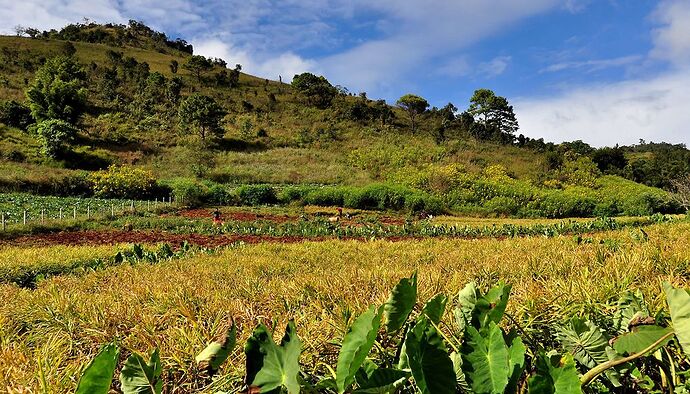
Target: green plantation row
(14, 207)
(403, 347)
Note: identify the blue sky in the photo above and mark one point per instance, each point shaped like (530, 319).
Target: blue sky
(605, 71)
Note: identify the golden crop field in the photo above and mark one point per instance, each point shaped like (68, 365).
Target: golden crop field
(47, 335)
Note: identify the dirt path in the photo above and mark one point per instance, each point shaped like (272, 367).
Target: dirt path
(111, 237)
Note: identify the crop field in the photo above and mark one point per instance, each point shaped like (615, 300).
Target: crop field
(180, 300)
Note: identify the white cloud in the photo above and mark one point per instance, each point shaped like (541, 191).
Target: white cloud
(593, 65)
(271, 66)
(415, 35)
(672, 39)
(495, 66)
(621, 113)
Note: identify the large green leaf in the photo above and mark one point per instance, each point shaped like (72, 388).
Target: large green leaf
(429, 361)
(269, 366)
(400, 303)
(218, 351)
(555, 375)
(435, 307)
(486, 361)
(629, 306)
(640, 338)
(98, 375)
(493, 305)
(357, 343)
(585, 341)
(460, 380)
(679, 305)
(141, 377)
(467, 299)
(516, 359)
(382, 381)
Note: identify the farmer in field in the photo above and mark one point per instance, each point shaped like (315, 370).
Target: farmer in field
(216, 218)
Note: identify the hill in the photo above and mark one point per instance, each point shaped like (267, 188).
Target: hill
(313, 142)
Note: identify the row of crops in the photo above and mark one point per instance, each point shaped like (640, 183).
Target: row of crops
(19, 208)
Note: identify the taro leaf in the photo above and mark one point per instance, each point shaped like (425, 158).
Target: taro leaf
(428, 358)
(140, 377)
(629, 306)
(516, 359)
(640, 338)
(356, 345)
(218, 351)
(679, 305)
(493, 305)
(555, 375)
(467, 299)
(486, 360)
(98, 375)
(400, 303)
(460, 380)
(585, 341)
(435, 307)
(383, 380)
(269, 366)
(588, 345)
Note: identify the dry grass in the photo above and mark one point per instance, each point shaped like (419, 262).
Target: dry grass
(50, 333)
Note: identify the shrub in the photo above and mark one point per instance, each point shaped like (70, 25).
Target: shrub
(503, 206)
(327, 196)
(294, 193)
(218, 194)
(124, 182)
(256, 194)
(15, 114)
(191, 192)
(54, 135)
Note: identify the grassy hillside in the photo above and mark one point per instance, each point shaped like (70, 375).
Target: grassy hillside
(272, 134)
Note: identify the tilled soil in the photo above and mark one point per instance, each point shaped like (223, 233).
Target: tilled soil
(111, 237)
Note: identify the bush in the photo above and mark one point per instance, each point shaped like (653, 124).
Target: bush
(124, 182)
(15, 114)
(191, 192)
(294, 193)
(327, 196)
(218, 194)
(502, 206)
(256, 194)
(54, 135)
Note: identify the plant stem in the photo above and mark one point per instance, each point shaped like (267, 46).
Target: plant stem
(596, 371)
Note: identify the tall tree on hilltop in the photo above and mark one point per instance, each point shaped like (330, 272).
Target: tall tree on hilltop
(494, 112)
(414, 106)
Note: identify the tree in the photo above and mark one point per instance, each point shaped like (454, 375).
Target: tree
(54, 135)
(173, 66)
(610, 159)
(317, 89)
(197, 65)
(202, 113)
(414, 106)
(494, 113)
(57, 91)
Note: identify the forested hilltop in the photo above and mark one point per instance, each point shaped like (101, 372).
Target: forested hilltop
(125, 111)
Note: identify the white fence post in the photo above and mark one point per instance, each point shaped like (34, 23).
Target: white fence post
(25, 217)
(3, 221)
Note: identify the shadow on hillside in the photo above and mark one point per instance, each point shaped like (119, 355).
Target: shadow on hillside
(233, 144)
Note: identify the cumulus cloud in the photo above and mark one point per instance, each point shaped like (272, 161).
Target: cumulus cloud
(416, 35)
(651, 108)
(272, 66)
(672, 38)
(620, 113)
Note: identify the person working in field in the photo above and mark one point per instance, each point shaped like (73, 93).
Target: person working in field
(216, 218)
